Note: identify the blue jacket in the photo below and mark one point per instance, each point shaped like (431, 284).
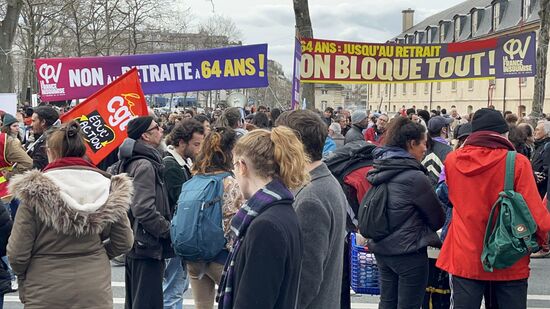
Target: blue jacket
(329, 147)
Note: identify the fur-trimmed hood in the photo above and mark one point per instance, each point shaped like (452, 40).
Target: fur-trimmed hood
(64, 203)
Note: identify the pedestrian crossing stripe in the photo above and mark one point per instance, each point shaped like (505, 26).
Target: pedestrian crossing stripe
(190, 302)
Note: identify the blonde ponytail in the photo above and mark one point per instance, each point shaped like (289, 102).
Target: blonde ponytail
(276, 154)
(290, 156)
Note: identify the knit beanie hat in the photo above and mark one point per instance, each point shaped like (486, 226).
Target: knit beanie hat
(358, 116)
(487, 119)
(8, 120)
(138, 126)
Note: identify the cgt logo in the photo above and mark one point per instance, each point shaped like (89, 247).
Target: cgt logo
(514, 47)
(48, 71)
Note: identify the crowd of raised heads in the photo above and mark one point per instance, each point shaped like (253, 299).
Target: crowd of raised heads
(257, 208)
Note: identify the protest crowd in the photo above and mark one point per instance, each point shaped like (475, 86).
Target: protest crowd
(254, 208)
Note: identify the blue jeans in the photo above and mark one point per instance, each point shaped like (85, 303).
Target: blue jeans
(175, 283)
(7, 262)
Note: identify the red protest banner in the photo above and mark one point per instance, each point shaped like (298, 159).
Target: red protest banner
(104, 116)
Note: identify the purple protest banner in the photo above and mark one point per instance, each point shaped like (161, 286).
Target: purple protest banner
(222, 68)
(296, 74)
(325, 61)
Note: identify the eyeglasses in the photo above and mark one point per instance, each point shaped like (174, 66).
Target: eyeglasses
(157, 127)
(237, 162)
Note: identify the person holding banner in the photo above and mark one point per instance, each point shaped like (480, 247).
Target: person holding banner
(10, 125)
(42, 119)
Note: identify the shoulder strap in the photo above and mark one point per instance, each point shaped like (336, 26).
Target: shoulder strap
(510, 168)
(170, 158)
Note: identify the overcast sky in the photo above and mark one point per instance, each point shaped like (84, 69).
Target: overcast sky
(272, 21)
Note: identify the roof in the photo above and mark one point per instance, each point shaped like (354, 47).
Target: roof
(510, 14)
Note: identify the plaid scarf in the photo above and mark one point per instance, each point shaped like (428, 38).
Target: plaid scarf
(274, 191)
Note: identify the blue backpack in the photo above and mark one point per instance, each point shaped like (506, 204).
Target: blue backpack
(197, 229)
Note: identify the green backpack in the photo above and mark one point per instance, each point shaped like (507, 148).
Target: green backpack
(510, 236)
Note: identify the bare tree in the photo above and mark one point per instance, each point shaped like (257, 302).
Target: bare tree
(38, 30)
(8, 28)
(219, 31)
(305, 30)
(542, 59)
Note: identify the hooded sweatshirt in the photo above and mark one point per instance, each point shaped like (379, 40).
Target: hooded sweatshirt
(475, 176)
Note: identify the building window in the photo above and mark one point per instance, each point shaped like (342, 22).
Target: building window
(378, 90)
(457, 29)
(470, 109)
(522, 110)
(370, 89)
(404, 88)
(471, 85)
(425, 107)
(429, 35)
(324, 104)
(426, 88)
(386, 89)
(394, 108)
(414, 88)
(474, 21)
(523, 81)
(453, 86)
(324, 91)
(438, 86)
(419, 37)
(496, 15)
(394, 89)
(526, 9)
(442, 30)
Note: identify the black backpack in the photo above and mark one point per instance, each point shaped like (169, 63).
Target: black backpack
(373, 216)
(341, 163)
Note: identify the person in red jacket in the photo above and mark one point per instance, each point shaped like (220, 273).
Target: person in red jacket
(375, 134)
(475, 176)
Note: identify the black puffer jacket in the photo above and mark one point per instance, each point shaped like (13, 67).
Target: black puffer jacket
(5, 229)
(541, 162)
(414, 210)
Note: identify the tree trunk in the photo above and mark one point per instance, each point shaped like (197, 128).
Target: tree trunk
(303, 24)
(7, 34)
(542, 54)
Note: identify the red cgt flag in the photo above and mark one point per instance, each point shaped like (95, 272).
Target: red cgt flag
(104, 116)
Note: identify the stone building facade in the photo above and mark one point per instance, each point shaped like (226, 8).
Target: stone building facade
(469, 20)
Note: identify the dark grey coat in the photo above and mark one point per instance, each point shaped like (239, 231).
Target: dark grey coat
(355, 133)
(321, 210)
(150, 212)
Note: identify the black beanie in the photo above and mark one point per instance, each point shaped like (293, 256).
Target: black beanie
(487, 119)
(138, 126)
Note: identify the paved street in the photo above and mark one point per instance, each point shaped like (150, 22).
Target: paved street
(539, 290)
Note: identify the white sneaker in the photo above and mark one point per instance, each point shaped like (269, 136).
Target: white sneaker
(14, 286)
